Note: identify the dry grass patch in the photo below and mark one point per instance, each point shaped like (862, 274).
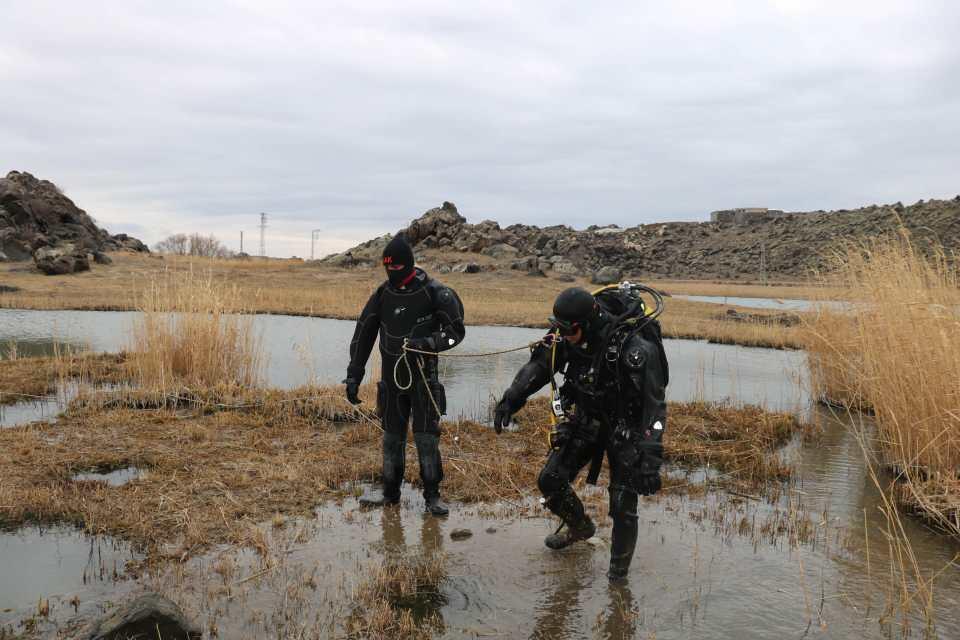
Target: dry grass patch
(218, 464)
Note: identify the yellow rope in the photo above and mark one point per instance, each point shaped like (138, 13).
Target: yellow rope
(442, 354)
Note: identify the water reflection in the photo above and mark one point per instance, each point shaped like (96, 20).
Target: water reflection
(314, 350)
(427, 599)
(54, 564)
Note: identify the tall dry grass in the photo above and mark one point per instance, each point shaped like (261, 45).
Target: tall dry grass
(898, 352)
(194, 331)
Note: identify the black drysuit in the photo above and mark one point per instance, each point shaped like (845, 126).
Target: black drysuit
(613, 395)
(430, 316)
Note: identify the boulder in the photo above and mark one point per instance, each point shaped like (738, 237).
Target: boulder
(606, 275)
(467, 267)
(565, 267)
(123, 242)
(499, 251)
(101, 258)
(530, 263)
(566, 277)
(61, 260)
(148, 616)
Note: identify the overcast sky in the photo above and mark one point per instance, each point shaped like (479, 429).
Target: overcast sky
(355, 117)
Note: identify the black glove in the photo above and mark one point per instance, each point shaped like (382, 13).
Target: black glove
(504, 410)
(353, 390)
(650, 464)
(649, 484)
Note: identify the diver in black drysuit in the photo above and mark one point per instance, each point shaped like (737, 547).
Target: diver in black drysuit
(413, 309)
(613, 402)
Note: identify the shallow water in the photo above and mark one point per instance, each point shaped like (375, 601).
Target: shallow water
(115, 478)
(45, 408)
(723, 566)
(778, 304)
(302, 350)
(57, 564)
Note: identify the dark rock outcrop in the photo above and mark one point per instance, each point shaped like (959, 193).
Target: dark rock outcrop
(788, 246)
(35, 214)
(149, 616)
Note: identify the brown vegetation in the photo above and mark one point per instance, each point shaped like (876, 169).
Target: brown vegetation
(898, 353)
(193, 332)
(218, 465)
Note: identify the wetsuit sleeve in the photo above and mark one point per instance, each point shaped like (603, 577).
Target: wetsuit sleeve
(364, 336)
(645, 365)
(448, 311)
(533, 375)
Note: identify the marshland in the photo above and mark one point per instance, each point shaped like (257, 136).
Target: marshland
(197, 444)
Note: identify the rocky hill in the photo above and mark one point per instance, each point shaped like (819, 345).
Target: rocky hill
(785, 247)
(38, 221)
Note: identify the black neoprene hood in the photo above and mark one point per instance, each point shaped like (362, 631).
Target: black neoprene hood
(398, 251)
(574, 305)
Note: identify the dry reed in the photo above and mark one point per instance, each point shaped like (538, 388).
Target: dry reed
(193, 333)
(898, 352)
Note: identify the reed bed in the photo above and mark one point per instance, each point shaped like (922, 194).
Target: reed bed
(897, 353)
(194, 331)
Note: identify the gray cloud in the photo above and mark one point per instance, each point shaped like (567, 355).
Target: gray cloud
(355, 117)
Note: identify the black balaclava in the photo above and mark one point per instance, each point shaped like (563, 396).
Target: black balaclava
(398, 251)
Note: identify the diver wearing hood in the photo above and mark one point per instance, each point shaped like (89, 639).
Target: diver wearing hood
(612, 403)
(413, 309)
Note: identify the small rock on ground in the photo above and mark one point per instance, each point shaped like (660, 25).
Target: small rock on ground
(460, 534)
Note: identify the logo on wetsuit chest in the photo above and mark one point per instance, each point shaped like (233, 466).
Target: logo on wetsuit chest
(400, 310)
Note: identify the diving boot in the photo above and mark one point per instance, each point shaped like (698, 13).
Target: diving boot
(623, 510)
(567, 506)
(435, 505)
(567, 535)
(374, 499)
